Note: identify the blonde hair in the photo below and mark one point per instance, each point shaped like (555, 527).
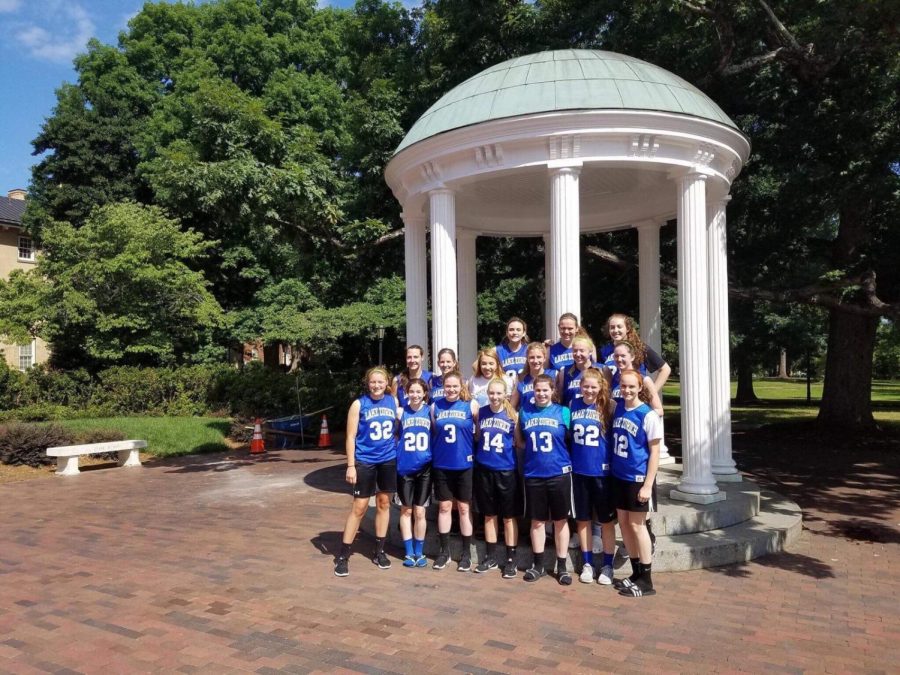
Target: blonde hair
(387, 377)
(585, 340)
(534, 347)
(506, 405)
(491, 353)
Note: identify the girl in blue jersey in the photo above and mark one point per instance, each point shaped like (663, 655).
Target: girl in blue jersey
(485, 368)
(414, 470)
(536, 364)
(496, 477)
(511, 349)
(371, 464)
(447, 363)
(542, 432)
(621, 328)
(637, 432)
(561, 351)
(414, 369)
(568, 381)
(453, 420)
(591, 477)
(623, 358)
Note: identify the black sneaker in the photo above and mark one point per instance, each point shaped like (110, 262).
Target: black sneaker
(509, 570)
(383, 562)
(465, 564)
(486, 565)
(341, 567)
(533, 574)
(441, 561)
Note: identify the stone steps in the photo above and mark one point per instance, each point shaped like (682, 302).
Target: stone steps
(748, 523)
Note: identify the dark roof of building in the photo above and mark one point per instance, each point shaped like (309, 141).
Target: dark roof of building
(11, 211)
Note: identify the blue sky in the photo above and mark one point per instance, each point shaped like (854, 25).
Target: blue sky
(38, 40)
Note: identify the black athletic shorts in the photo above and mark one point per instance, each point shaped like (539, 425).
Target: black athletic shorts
(452, 484)
(548, 498)
(593, 498)
(626, 495)
(497, 492)
(372, 478)
(415, 489)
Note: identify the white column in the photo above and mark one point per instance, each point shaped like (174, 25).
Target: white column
(648, 284)
(565, 229)
(723, 466)
(697, 483)
(466, 288)
(443, 271)
(416, 281)
(550, 332)
(650, 312)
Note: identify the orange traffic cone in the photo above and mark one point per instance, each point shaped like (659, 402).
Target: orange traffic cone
(257, 445)
(324, 436)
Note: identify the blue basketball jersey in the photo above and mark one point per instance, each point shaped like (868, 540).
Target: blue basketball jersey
(495, 440)
(437, 388)
(525, 387)
(560, 356)
(544, 429)
(401, 394)
(511, 362)
(375, 441)
(590, 443)
(605, 356)
(453, 435)
(631, 448)
(414, 450)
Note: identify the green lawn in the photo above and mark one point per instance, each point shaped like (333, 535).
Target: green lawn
(165, 436)
(781, 401)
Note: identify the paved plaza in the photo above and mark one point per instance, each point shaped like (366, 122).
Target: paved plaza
(222, 563)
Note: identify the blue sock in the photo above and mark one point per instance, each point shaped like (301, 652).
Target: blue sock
(408, 545)
(418, 546)
(608, 559)
(587, 557)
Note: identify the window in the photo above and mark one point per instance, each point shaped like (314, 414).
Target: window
(26, 249)
(26, 356)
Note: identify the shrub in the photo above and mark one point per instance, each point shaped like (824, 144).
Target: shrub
(11, 383)
(28, 443)
(61, 387)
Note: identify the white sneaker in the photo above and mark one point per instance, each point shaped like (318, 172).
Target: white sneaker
(587, 574)
(606, 575)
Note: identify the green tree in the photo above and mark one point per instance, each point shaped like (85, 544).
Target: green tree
(118, 290)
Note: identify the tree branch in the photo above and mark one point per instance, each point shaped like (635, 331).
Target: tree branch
(821, 295)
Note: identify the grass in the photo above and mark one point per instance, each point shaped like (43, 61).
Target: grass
(165, 436)
(782, 401)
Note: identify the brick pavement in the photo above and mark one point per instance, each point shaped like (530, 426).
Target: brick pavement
(222, 563)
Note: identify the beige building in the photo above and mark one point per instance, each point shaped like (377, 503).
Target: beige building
(17, 252)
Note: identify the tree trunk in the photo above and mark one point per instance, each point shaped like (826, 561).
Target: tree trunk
(847, 394)
(783, 373)
(745, 393)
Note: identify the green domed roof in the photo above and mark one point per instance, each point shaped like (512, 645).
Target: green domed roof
(569, 79)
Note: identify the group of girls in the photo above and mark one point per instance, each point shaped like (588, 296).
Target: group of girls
(582, 434)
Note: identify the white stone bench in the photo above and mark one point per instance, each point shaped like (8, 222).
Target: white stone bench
(67, 455)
